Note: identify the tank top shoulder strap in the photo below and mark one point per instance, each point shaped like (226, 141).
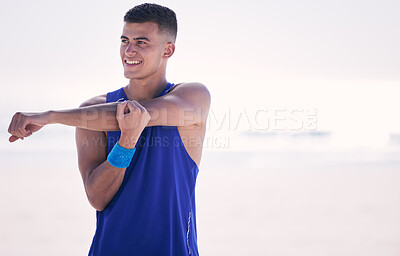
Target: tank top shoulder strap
(116, 95)
(167, 89)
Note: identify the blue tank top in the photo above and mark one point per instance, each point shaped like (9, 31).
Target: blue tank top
(153, 212)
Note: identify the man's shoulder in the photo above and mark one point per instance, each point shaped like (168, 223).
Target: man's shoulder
(100, 99)
(191, 85)
(192, 89)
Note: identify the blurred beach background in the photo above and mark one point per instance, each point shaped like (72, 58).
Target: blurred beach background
(302, 152)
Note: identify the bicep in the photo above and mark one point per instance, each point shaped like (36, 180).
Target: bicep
(187, 104)
(92, 150)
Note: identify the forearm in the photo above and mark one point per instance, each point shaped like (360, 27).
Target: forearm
(101, 117)
(102, 184)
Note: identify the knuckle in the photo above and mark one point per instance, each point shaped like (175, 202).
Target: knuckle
(146, 115)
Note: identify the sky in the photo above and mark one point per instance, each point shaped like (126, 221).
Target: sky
(339, 59)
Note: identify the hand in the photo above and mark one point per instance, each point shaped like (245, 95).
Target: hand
(132, 119)
(25, 124)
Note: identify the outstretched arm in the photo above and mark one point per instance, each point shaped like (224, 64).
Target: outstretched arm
(187, 104)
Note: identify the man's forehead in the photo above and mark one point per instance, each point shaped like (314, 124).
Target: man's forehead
(140, 29)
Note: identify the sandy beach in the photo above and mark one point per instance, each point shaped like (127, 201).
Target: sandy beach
(284, 202)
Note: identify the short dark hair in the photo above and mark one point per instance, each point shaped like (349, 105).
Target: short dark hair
(164, 17)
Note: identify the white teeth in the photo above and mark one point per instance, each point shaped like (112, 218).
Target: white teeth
(133, 61)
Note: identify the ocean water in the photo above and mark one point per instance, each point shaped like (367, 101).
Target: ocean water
(257, 194)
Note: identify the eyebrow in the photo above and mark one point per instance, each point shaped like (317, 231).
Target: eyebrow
(137, 38)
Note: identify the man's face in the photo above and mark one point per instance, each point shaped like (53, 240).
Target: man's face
(143, 50)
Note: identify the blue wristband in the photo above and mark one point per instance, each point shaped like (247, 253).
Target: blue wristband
(120, 157)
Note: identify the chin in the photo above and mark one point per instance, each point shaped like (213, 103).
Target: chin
(130, 75)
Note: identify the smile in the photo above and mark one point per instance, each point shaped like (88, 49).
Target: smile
(133, 62)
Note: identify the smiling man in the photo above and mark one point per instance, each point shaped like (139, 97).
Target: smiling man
(139, 147)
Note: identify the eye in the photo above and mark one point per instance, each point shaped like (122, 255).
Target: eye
(142, 42)
(124, 41)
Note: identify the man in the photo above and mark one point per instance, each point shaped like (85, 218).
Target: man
(139, 147)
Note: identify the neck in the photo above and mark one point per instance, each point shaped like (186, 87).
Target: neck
(145, 89)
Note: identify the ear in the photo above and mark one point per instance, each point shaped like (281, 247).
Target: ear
(169, 50)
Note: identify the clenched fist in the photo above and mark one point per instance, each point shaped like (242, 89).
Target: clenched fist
(132, 119)
(25, 124)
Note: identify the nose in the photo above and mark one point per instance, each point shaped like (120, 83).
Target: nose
(130, 50)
